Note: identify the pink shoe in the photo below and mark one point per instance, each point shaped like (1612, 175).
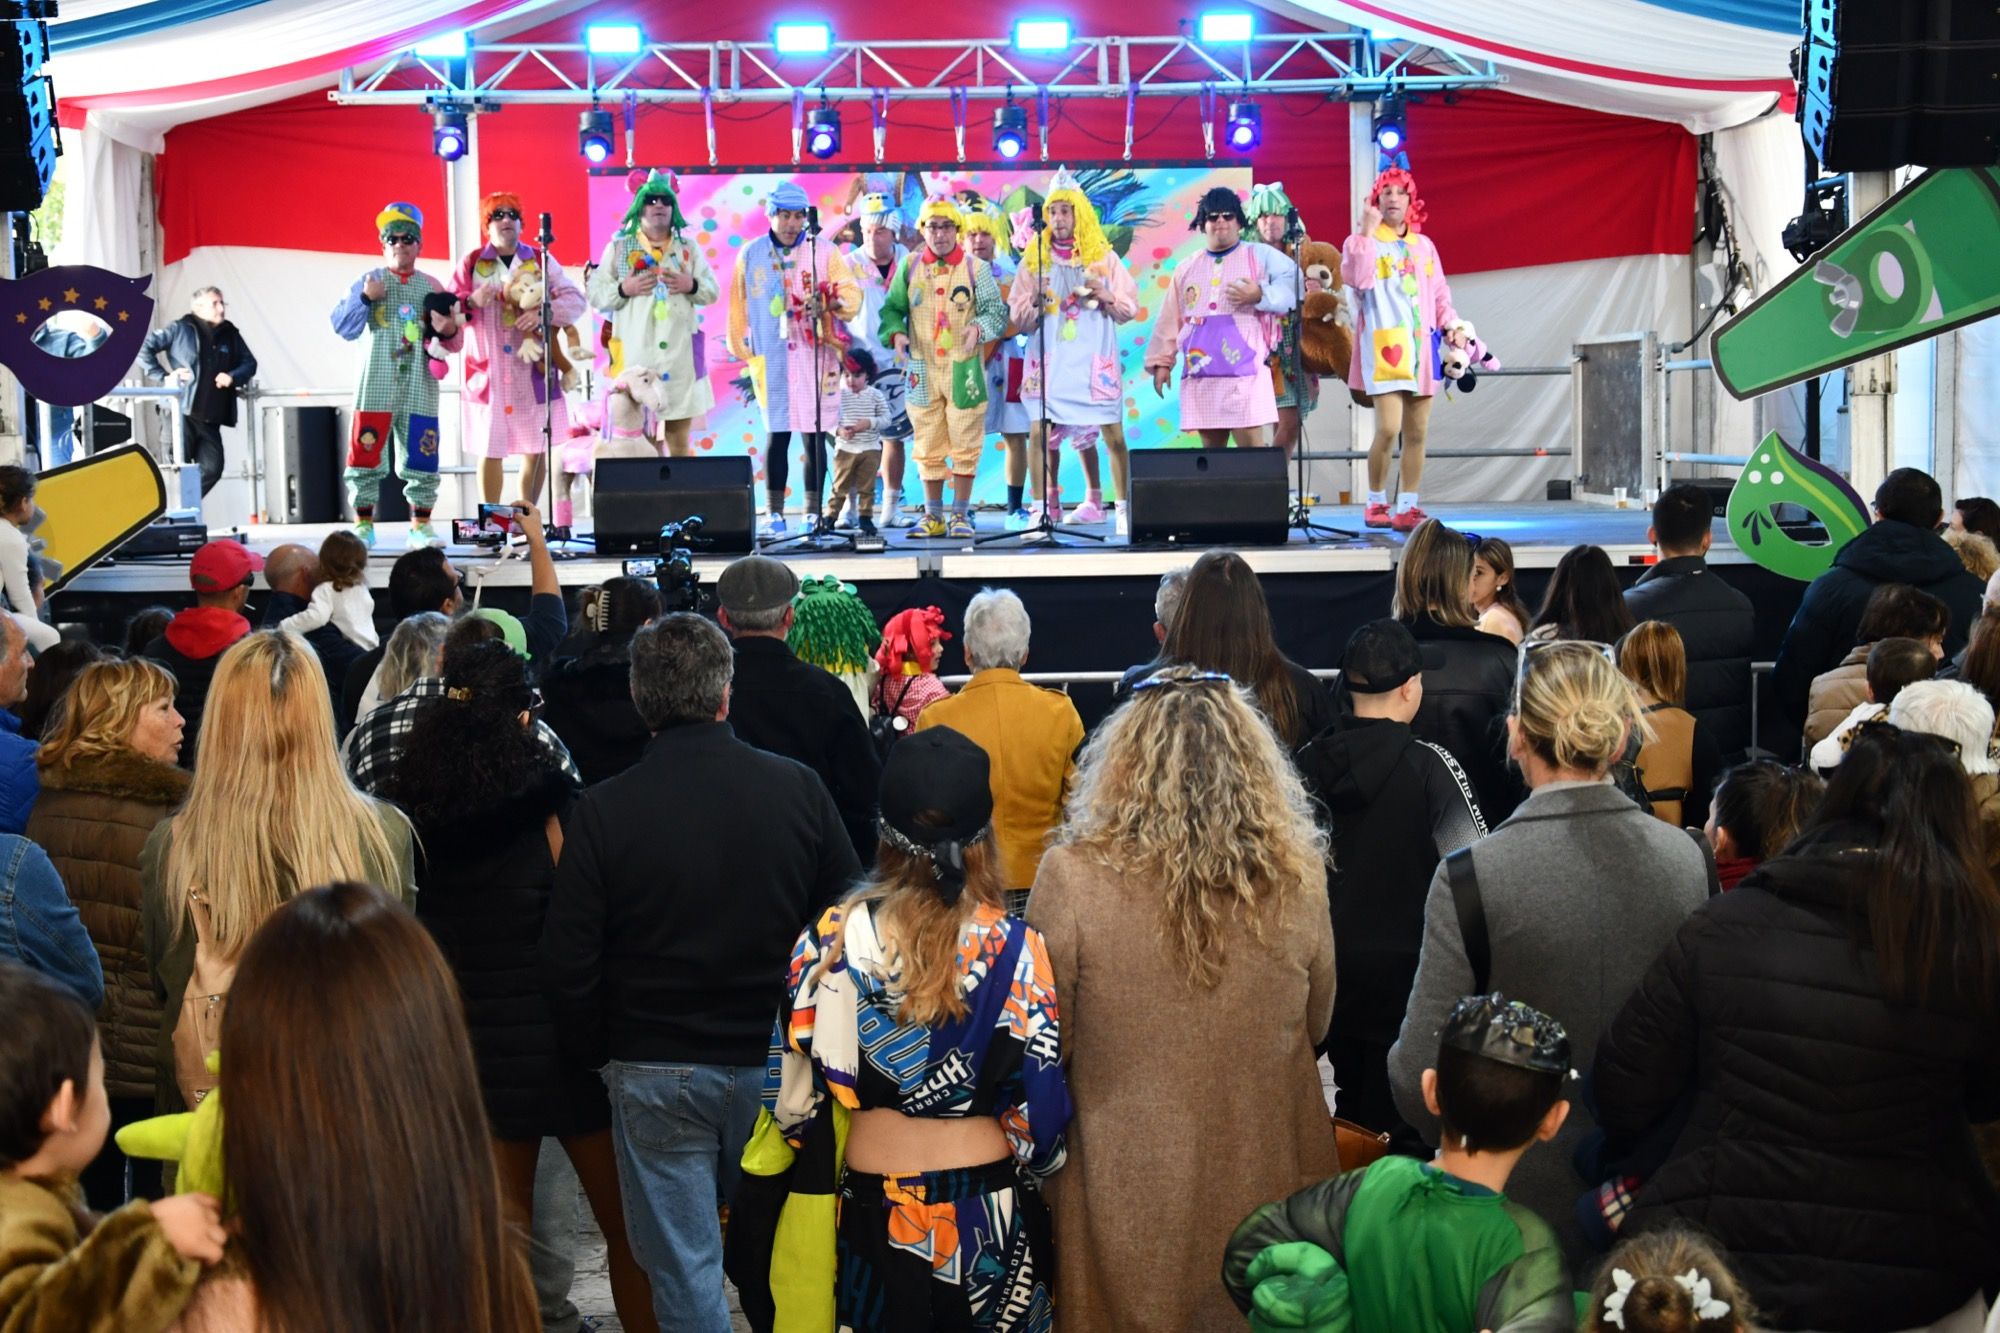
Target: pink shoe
(1375, 516)
(1087, 512)
(1408, 520)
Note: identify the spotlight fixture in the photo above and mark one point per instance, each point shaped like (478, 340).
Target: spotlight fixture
(823, 131)
(612, 39)
(1246, 126)
(1041, 35)
(447, 45)
(1226, 26)
(1010, 130)
(593, 136)
(803, 39)
(449, 134)
(1391, 124)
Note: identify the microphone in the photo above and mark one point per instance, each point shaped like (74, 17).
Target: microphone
(812, 218)
(1037, 215)
(548, 235)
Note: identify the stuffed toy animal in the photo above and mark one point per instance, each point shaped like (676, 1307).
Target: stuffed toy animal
(631, 395)
(191, 1138)
(1460, 366)
(525, 291)
(440, 308)
(1326, 327)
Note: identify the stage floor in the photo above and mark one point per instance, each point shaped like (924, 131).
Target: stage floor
(1539, 533)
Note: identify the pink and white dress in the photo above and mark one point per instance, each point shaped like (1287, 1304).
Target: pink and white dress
(1221, 346)
(504, 394)
(1402, 300)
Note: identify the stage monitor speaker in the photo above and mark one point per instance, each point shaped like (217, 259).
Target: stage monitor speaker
(1208, 497)
(313, 460)
(633, 498)
(1890, 83)
(29, 144)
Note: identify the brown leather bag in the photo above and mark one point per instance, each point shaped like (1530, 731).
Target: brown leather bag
(1356, 1147)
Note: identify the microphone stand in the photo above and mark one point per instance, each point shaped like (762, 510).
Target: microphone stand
(551, 386)
(1046, 531)
(1295, 366)
(809, 532)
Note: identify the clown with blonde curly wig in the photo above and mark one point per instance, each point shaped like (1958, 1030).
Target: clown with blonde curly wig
(1404, 311)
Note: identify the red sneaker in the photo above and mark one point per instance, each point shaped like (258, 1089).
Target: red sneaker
(1375, 516)
(1408, 520)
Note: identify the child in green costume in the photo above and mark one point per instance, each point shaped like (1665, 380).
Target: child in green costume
(1428, 1247)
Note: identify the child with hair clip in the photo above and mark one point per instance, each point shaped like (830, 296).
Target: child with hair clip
(341, 595)
(1757, 808)
(1670, 1281)
(62, 1267)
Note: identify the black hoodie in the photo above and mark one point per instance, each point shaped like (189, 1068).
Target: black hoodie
(1395, 806)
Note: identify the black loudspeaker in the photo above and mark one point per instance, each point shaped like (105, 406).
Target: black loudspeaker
(633, 498)
(29, 144)
(313, 460)
(1890, 83)
(1209, 497)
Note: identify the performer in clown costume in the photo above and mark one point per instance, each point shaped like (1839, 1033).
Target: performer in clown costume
(396, 403)
(874, 263)
(1404, 308)
(1086, 293)
(504, 394)
(986, 235)
(1218, 321)
(791, 334)
(652, 282)
(942, 305)
(1270, 214)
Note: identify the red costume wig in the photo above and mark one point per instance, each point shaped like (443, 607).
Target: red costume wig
(498, 199)
(1397, 178)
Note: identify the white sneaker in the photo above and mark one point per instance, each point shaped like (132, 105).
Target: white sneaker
(898, 517)
(774, 525)
(1124, 521)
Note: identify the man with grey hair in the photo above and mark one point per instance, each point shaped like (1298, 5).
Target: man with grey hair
(794, 708)
(1166, 601)
(683, 884)
(1030, 734)
(204, 355)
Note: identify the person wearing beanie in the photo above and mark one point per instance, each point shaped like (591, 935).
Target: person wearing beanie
(1428, 1247)
(505, 393)
(787, 304)
(927, 1014)
(195, 639)
(1395, 806)
(396, 405)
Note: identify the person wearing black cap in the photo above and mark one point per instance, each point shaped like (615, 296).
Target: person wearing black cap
(793, 708)
(929, 1013)
(1429, 1247)
(1395, 806)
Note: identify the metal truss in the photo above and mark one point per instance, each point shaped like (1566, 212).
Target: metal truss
(1339, 65)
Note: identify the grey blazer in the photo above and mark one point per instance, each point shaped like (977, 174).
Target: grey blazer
(1582, 891)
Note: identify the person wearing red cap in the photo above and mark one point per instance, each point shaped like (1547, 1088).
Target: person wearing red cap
(221, 574)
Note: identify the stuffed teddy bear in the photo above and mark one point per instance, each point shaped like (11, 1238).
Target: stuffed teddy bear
(1326, 329)
(1460, 366)
(439, 308)
(525, 291)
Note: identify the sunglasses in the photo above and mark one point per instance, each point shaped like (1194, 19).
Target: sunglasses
(1196, 678)
(398, 238)
(1530, 647)
(512, 214)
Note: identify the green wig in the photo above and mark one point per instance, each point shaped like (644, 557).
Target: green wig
(658, 185)
(832, 627)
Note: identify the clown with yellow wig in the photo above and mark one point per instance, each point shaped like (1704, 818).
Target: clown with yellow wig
(505, 392)
(1084, 292)
(987, 235)
(942, 305)
(396, 405)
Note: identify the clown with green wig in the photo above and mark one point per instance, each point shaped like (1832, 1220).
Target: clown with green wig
(652, 282)
(396, 406)
(1271, 213)
(1075, 285)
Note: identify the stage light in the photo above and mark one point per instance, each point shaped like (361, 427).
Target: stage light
(449, 135)
(1227, 26)
(612, 39)
(1010, 131)
(1246, 126)
(823, 131)
(1041, 35)
(803, 39)
(1391, 125)
(593, 136)
(448, 44)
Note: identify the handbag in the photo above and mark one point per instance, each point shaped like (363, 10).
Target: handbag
(968, 383)
(1356, 1147)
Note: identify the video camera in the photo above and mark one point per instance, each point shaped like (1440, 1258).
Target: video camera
(673, 569)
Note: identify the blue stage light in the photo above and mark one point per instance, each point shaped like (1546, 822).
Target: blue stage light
(449, 136)
(1041, 35)
(823, 131)
(1246, 126)
(1010, 131)
(613, 39)
(803, 39)
(1227, 26)
(447, 44)
(1391, 125)
(593, 136)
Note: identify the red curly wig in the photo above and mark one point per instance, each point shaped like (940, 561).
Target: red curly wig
(1400, 179)
(498, 199)
(915, 635)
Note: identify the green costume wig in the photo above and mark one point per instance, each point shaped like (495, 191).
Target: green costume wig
(832, 627)
(658, 185)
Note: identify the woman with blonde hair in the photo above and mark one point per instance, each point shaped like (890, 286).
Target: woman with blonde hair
(927, 1012)
(109, 776)
(1681, 762)
(1184, 904)
(412, 654)
(1568, 902)
(1468, 673)
(270, 812)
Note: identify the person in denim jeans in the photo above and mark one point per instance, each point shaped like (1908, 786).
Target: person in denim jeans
(683, 883)
(39, 924)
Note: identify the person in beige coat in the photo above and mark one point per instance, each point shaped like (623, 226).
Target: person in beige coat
(1184, 907)
(1894, 611)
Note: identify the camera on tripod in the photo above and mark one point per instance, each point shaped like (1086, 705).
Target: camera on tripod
(680, 586)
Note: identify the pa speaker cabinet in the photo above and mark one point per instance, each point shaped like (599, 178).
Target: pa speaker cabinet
(635, 497)
(312, 460)
(1209, 497)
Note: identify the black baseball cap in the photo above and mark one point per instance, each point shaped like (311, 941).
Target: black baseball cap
(1380, 656)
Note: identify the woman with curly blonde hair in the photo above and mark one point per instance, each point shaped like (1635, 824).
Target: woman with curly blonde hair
(1184, 906)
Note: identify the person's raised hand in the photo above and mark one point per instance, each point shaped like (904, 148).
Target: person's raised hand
(371, 286)
(1371, 218)
(192, 1224)
(530, 519)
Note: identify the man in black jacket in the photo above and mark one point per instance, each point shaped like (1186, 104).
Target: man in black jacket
(1396, 806)
(1902, 546)
(682, 889)
(1716, 622)
(289, 572)
(221, 573)
(794, 708)
(205, 355)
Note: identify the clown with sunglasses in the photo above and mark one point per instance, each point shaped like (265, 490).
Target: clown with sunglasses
(396, 405)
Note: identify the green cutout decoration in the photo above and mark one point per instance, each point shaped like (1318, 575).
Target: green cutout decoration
(1777, 474)
(1926, 262)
